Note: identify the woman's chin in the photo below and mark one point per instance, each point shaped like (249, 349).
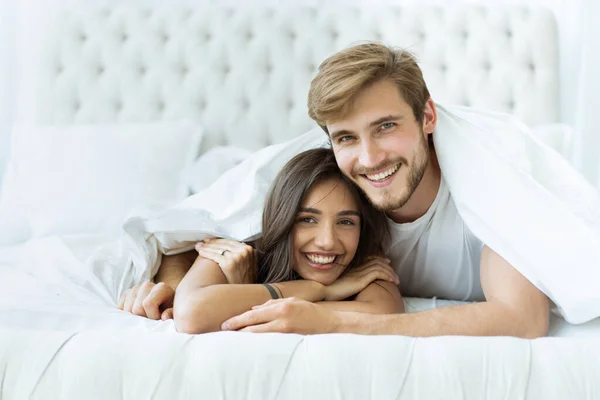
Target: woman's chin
(323, 279)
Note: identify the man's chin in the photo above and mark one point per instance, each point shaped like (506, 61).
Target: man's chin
(381, 199)
(387, 204)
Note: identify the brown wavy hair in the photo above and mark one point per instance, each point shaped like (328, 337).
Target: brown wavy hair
(283, 202)
(345, 74)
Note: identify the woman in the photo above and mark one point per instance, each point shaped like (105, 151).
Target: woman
(322, 242)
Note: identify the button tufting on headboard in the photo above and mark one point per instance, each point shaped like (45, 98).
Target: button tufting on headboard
(245, 72)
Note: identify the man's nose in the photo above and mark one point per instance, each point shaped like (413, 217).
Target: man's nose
(371, 155)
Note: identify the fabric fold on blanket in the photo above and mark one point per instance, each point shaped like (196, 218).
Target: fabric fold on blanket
(519, 196)
(231, 207)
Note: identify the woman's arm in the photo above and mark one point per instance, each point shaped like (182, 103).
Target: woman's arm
(380, 297)
(204, 299)
(172, 269)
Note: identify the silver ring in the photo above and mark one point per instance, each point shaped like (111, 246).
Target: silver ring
(223, 252)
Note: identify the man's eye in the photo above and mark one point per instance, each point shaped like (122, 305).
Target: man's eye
(387, 125)
(345, 138)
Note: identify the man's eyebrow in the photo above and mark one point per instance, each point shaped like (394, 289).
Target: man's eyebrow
(341, 132)
(378, 121)
(387, 118)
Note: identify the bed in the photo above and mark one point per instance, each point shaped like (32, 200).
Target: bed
(122, 106)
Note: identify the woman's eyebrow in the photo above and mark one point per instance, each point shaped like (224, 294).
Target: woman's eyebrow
(319, 212)
(310, 210)
(349, 213)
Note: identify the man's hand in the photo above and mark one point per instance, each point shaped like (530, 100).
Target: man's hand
(154, 301)
(290, 315)
(237, 260)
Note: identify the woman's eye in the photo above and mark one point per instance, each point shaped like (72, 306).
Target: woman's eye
(306, 220)
(347, 222)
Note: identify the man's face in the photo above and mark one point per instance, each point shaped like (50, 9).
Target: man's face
(381, 146)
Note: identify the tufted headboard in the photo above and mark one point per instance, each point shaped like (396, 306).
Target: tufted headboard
(244, 73)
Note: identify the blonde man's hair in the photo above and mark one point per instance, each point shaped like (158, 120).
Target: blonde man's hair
(343, 75)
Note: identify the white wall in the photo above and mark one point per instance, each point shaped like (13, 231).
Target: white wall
(7, 75)
(578, 26)
(587, 120)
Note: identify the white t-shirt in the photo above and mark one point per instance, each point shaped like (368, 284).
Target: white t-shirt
(437, 255)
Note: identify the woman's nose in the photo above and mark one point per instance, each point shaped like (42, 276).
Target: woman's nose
(325, 238)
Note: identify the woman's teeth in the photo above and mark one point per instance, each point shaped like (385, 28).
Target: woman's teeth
(382, 175)
(320, 259)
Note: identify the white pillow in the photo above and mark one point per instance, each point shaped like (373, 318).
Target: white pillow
(87, 178)
(211, 165)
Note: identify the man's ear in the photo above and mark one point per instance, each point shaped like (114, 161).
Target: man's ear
(429, 117)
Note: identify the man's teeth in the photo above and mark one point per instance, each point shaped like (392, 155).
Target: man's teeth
(382, 175)
(320, 259)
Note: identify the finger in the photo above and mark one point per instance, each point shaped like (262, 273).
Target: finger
(122, 301)
(390, 274)
(161, 296)
(130, 298)
(390, 271)
(143, 292)
(272, 326)
(269, 303)
(378, 274)
(250, 318)
(218, 258)
(227, 243)
(371, 263)
(219, 248)
(393, 274)
(167, 314)
(387, 268)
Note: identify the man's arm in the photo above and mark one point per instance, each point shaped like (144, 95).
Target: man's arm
(514, 307)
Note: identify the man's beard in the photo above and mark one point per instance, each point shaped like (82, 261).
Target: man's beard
(417, 168)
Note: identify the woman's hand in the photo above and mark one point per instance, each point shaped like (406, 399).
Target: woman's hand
(356, 279)
(237, 260)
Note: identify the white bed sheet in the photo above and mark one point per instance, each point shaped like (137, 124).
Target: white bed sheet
(62, 337)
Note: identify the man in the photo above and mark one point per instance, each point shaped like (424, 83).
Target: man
(373, 103)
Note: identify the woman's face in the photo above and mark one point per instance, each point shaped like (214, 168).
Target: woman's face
(326, 232)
